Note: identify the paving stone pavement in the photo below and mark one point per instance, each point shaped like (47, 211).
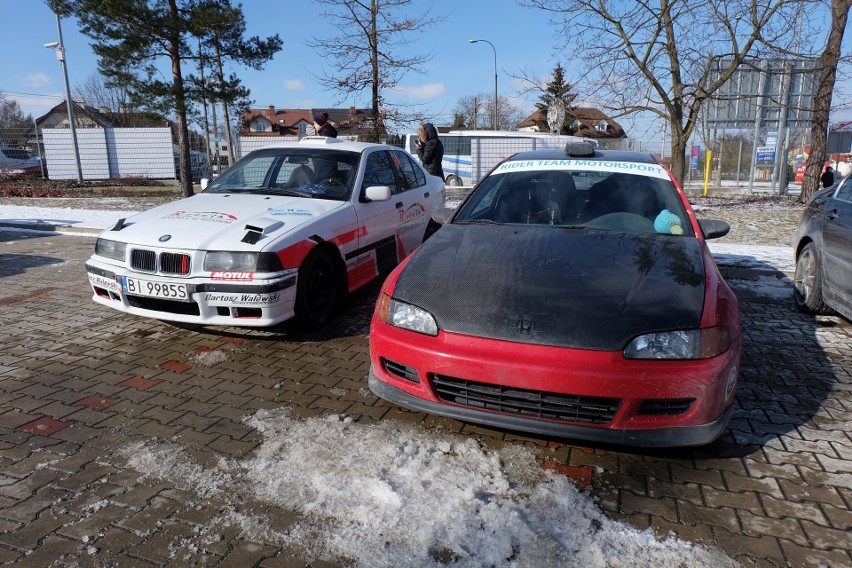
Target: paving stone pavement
(78, 382)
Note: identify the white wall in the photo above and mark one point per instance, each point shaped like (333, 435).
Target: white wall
(110, 153)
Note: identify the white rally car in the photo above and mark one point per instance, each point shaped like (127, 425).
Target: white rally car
(287, 231)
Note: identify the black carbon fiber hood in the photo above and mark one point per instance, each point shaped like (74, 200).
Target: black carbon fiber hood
(561, 287)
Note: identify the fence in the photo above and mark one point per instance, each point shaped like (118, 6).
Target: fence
(104, 153)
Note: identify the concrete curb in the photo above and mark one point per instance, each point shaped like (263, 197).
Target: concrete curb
(53, 228)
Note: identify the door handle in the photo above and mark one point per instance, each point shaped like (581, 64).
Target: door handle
(425, 195)
(832, 215)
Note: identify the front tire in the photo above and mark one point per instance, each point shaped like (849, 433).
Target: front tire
(317, 290)
(807, 282)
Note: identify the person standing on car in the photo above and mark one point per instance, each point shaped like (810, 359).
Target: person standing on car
(827, 177)
(323, 126)
(430, 149)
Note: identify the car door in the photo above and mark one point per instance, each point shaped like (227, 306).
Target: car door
(378, 220)
(837, 242)
(413, 200)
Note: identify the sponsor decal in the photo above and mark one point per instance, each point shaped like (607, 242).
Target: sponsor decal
(284, 212)
(651, 170)
(411, 214)
(232, 275)
(206, 216)
(105, 283)
(243, 299)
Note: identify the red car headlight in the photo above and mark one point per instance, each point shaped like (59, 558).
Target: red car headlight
(405, 316)
(680, 344)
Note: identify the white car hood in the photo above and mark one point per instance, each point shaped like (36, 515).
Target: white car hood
(219, 221)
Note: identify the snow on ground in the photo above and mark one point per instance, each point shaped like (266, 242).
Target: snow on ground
(393, 494)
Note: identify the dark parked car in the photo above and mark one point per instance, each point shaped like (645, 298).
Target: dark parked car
(823, 245)
(31, 167)
(572, 294)
(199, 166)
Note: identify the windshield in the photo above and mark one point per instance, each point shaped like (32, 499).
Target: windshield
(592, 199)
(303, 172)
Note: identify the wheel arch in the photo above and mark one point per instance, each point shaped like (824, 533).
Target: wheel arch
(339, 265)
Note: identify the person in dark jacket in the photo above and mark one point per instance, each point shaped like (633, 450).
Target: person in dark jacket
(827, 177)
(430, 149)
(323, 126)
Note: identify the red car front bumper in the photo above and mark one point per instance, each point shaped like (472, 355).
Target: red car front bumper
(569, 393)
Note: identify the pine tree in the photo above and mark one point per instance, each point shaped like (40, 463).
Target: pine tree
(560, 89)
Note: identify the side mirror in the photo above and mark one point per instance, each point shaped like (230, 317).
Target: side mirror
(442, 216)
(204, 183)
(378, 193)
(714, 228)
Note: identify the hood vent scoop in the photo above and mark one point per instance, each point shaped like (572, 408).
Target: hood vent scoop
(257, 230)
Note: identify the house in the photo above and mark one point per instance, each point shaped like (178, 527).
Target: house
(351, 122)
(585, 122)
(86, 116)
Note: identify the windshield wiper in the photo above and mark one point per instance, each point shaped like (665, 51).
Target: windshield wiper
(288, 192)
(478, 222)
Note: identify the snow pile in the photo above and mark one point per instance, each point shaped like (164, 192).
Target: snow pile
(391, 494)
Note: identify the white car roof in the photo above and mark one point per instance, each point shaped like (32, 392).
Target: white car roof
(329, 143)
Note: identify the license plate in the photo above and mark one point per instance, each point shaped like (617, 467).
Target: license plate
(137, 287)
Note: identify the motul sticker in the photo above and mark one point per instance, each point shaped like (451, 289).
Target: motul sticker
(232, 276)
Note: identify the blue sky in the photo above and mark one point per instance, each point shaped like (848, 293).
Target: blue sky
(522, 37)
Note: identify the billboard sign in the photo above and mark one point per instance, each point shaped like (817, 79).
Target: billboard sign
(768, 87)
(766, 154)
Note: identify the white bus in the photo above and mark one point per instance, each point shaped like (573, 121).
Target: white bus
(470, 154)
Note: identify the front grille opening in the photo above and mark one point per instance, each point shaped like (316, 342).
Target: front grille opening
(665, 406)
(169, 262)
(400, 370)
(145, 260)
(223, 311)
(525, 402)
(168, 306)
(248, 313)
(103, 293)
(173, 263)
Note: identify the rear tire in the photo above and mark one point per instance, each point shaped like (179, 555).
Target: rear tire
(454, 181)
(807, 282)
(317, 291)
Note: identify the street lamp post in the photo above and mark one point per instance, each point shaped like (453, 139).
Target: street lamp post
(496, 127)
(60, 56)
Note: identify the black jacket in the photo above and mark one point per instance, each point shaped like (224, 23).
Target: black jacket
(328, 130)
(432, 152)
(827, 178)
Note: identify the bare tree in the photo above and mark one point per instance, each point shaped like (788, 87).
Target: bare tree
(95, 93)
(477, 111)
(14, 124)
(369, 50)
(656, 57)
(822, 101)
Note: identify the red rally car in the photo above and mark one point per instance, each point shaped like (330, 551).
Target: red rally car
(572, 294)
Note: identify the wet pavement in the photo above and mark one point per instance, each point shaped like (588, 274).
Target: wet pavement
(79, 383)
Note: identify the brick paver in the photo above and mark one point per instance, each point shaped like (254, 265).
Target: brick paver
(79, 382)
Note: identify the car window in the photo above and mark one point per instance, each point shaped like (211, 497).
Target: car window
(607, 199)
(844, 191)
(379, 171)
(408, 171)
(16, 154)
(309, 172)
